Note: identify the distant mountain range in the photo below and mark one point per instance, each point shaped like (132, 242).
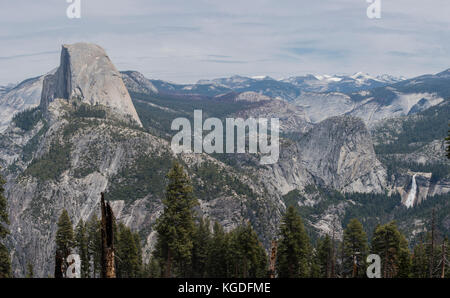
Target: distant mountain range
(287, 89)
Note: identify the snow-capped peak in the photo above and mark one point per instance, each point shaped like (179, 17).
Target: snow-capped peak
(260, 77)
(362, 76)
(389, 78)
(328, 78)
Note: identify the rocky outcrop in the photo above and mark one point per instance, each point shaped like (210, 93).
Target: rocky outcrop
(86, 73)
(25, 95)
(292, 118)
(137, 83)
(337, 153)
(340, 152)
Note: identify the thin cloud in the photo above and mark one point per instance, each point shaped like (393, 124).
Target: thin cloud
(207, 38)
(28, 55)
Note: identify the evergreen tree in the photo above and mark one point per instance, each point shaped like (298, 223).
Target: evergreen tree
(448, 145)
(175, 227)
(419, 266)
(139, 270)
(201, 245)
(392, 247)
(404, 265)
(323, 256)
(153, 269)
(81, 243)
(432, 251)
(247, 255)
(355, 249)
(30, 271)
(294, 247)
(217, 263)
(5, 262)
(94, 246)
(445, 259)
(64, 238)
(127, 255)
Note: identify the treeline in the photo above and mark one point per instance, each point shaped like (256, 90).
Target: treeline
(188, 245)
(5, 262)
(28, 118)
(85, 240)
(186, 248)
(393, 165)
(415, 131)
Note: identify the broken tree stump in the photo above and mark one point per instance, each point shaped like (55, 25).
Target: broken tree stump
(107, 233)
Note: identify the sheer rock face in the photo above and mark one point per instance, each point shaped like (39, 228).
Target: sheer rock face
(336, 153)
(345, 145)
(86, 73)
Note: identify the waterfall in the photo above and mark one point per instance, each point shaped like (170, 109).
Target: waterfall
(412, 193)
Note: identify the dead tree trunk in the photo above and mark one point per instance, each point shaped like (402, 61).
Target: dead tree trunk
(443, 260)
(273, 259)
(107, 232)
(168, 264)
(431, 264)
(58, 265)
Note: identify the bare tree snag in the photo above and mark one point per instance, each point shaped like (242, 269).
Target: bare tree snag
(273, 259)
(443, 260)
(168, 272)
(107, 232)
(431, 265)
(58, 265)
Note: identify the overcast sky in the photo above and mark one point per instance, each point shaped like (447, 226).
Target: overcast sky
(187, 40)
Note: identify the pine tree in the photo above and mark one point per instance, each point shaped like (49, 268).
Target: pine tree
(30, 271)
(81, 243)
(176, 225)
(64, 238)
(217, 263)
(139, 270)
(153, 269)
(5, 262)
(127, 255)
(445, 259)
(448, 145)
(94, 246)
(324, 258)
(247, 255)
(64, 234)
(419, 266)
(355, 249)
(404, 266)
(294, 247)
(392, 247)
(201, 245)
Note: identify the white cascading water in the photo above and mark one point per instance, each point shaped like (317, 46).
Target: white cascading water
(412, 193)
